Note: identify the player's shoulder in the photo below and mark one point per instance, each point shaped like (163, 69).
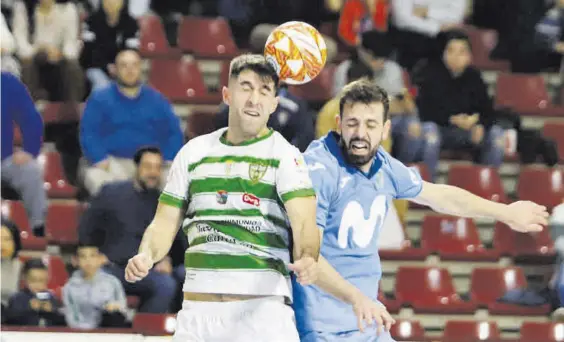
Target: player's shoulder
(319, 156)
(283, 146)
(199, 147)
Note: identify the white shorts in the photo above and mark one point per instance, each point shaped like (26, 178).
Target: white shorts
(257, 320)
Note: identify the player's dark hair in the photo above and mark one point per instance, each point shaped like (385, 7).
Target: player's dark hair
(255, 63)
(364, 91)
(15, 232)
(34, 264)
(143, 150)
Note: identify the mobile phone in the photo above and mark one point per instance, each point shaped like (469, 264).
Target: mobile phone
(43, 295)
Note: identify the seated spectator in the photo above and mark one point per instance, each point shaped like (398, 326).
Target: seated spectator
(372, 59)
(46, 35)
(7, 49)
(417, 23)
(10, 246)
(359, 16)
(116, 220)
(34, 305)
(291, 118)
(550, 37)
(455, 107)
(20, 170)
(120, 119)
(135, 8)
(93, 298)
(105, 32)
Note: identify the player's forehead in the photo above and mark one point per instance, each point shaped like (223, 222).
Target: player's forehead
(361, 111)
(254, 79)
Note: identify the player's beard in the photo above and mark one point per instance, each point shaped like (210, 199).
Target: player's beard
(358, 160)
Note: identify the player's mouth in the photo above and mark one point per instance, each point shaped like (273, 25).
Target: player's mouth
(251, 113)
(359, 146)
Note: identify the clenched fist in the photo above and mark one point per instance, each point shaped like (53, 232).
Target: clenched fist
(138, 267)
(305, 270)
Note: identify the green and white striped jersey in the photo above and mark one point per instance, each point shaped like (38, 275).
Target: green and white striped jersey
(238, 230)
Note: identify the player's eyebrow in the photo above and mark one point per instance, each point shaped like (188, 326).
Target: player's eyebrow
(267, 87)
(246, 83)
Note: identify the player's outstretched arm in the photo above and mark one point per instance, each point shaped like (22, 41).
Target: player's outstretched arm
(522, 216)
(156, 242)
(307, 238)
(367, 311)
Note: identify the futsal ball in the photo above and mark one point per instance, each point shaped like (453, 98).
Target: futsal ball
(297, 51)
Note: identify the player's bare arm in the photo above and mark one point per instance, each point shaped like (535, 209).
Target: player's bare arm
(156, 242)
(522, 216)
(307, 240)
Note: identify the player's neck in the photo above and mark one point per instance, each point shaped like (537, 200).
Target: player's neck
(237, 138)
(366, 167)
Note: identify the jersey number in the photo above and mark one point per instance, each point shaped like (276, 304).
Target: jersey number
(362, 229)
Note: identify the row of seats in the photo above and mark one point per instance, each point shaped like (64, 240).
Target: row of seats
(425, 289)
(450, 238)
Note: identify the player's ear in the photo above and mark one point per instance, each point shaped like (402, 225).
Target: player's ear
(338, 123)
(225, 95)
(387, 128)
(275, 104)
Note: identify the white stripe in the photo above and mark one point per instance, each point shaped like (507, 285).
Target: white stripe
(231, 249)
(231, 170)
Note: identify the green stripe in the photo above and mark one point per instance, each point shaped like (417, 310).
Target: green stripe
(171, 200)
(244, 213)
(242, 234)
(297, 193)
(235, 159)
(233, 262)
(237, 184)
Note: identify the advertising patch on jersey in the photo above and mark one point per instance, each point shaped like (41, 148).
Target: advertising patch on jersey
(257, 171)
(251, 199)
(221, 196)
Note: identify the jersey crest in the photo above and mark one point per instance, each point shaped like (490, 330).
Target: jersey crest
(257, 171)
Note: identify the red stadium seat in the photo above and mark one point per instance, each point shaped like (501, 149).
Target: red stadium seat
(62, 222)
(509, 242)
(15, 211)
(58, 274)
(56, 183)
(429, 290)
(133, 302)
(200, 123)
(154, 324)
(545, 332)
(407, 331)
(554, 131)
(180, 81)
(526, 94)
(483, 42)
(206, 38)
(224, 75)
(453, 238)
(490, 284)
(470, 331)
(483, 181)
(319, 89)
(153, 41)
(541, 185)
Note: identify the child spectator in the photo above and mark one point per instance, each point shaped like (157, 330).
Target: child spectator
(11, 266)
(93, 298)
(34, 305)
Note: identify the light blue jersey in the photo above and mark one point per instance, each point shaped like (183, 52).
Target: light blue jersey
(351, 207)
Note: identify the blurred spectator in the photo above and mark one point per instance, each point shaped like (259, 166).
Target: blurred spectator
(34, 305)
(556, 225)
(359, 16)
(116, 220)
(291, 118)
(46, 35)
(20, 170)
(120, 119)
(135, 8)
(106, 32)
(10, 246)
(417, 23)
(7, 49)
(550, 37)
(93, 298)
(372, 59)
(455, 107)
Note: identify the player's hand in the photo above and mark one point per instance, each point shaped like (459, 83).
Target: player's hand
(305, 269)
(370, 312)
(138, 267)
(526, 216)
(21, 157)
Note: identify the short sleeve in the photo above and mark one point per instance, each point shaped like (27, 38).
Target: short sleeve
(175, 192)
(292, 177)
(407, 180)
(324, 185)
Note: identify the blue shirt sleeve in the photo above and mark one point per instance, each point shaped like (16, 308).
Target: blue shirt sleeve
(407, 180)
(26, 116)
(175, 138)
(324, 185)
(91, 126)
